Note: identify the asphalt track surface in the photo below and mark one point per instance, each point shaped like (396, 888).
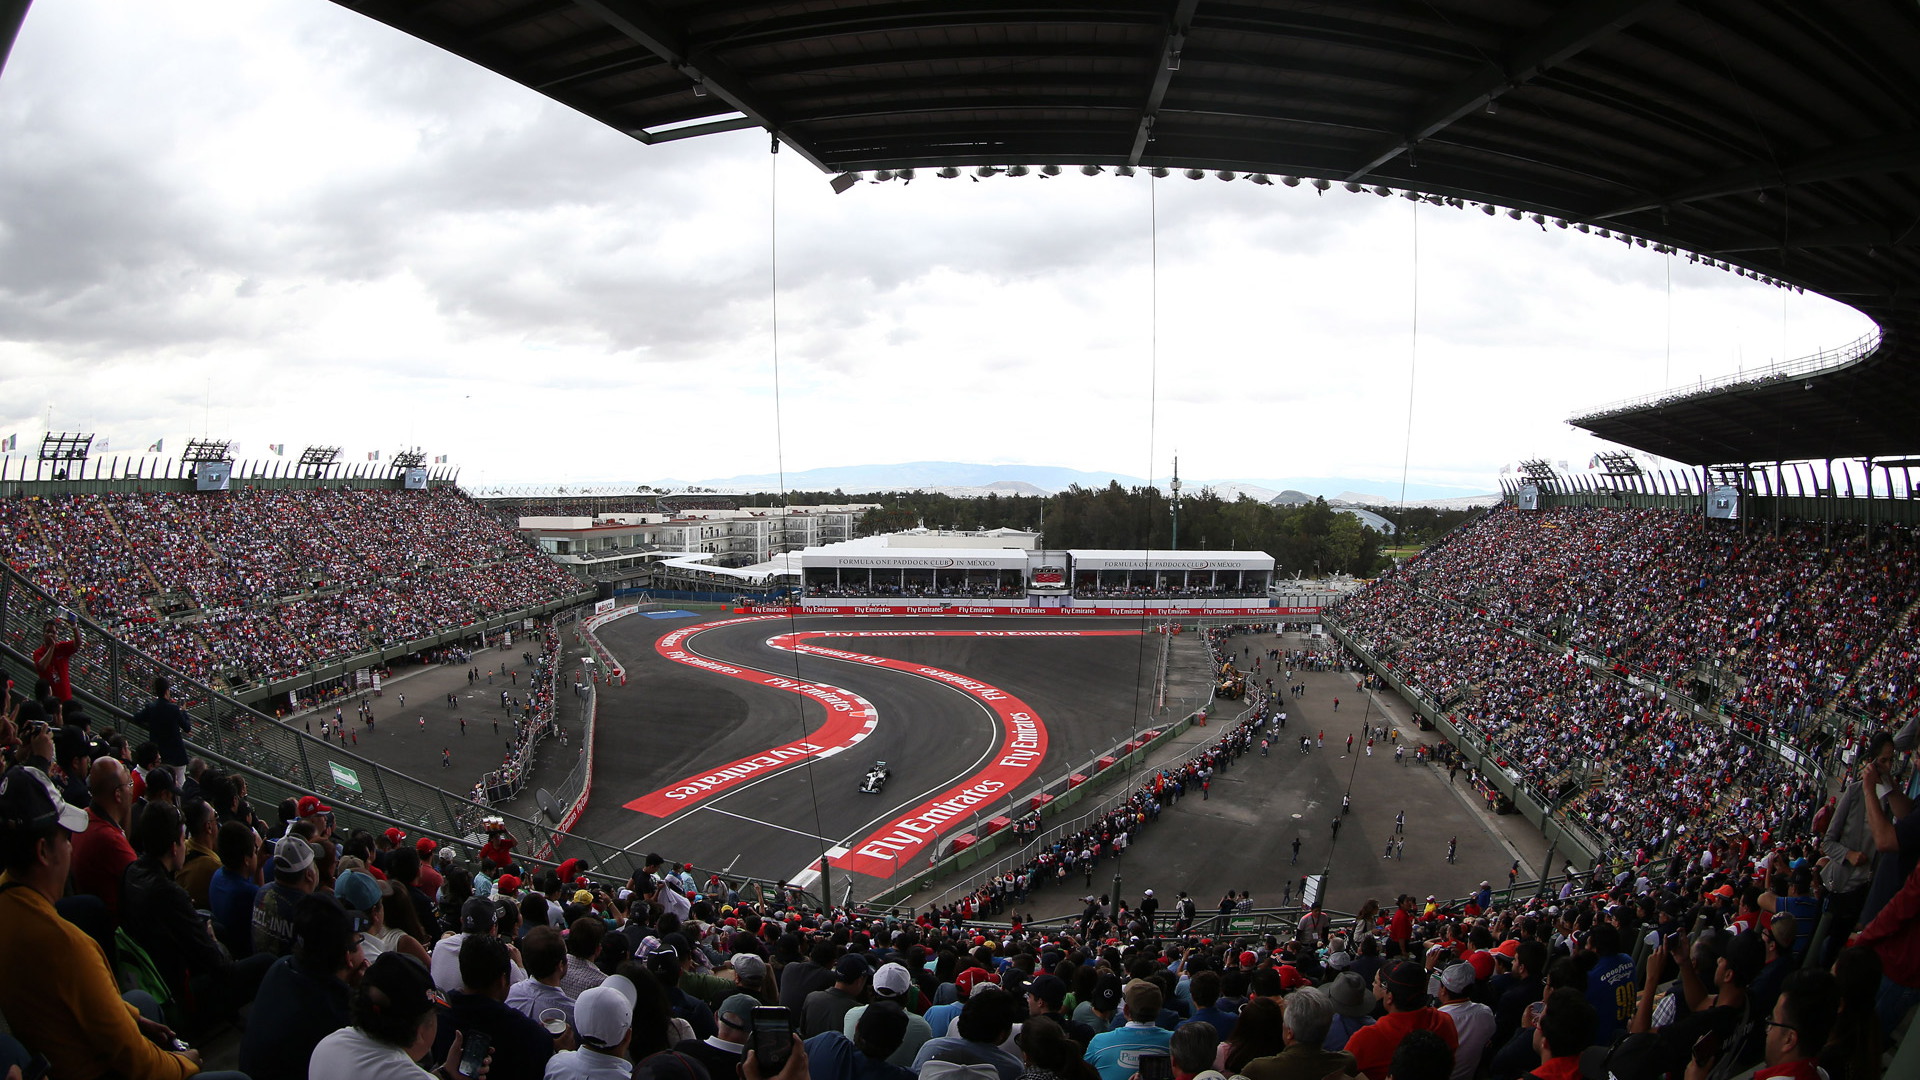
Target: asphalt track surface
(672, 721)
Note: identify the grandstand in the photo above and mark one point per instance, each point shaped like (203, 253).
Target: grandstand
(1643, 678)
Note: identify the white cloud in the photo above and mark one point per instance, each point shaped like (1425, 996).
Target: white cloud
(282, 222)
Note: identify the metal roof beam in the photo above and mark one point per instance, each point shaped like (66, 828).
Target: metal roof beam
(1868, 157)
(638, 21)
(1552, 43)
(1170, 46)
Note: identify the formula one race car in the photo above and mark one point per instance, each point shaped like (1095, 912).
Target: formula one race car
(876, 778)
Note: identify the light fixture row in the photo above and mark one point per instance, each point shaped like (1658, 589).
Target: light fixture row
(950, 172)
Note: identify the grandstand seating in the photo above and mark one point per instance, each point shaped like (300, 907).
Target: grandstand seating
(1662, 605)
(257, 585)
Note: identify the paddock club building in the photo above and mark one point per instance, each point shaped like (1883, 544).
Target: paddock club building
(857, 579)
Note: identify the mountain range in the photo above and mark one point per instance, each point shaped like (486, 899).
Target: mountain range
(967, 480)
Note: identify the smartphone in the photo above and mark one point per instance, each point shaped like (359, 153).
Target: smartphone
(772, 1037)
(1706, 1049)
(1156, 1067)
(473, 1052)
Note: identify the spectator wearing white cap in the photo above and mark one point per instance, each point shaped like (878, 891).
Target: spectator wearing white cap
(1472, 1021)
(892, 983)
(294, 877)
(603, 1020)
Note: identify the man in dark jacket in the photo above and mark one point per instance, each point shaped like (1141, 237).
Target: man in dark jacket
(168, 725)
(160, 916)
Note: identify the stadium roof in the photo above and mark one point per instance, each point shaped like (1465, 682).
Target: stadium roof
(1779, 138)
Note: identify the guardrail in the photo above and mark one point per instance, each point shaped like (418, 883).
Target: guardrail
(1798, 368)
(577, 788)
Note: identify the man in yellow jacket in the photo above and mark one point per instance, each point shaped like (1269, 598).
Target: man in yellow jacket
(70, 1008)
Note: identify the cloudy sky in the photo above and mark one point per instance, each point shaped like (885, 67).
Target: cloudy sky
(280, 222)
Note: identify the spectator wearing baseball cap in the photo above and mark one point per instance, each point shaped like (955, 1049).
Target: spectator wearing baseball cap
(721, 1052)
(430, 879)
(71, 1010)
(478, 916)
(1472, 1022)
(825, 1010)
(294, 878)
(1116, 1051)
(306, 994)
(891, 982)
(1101, 1010)
(603, 1020)
(1402, 987)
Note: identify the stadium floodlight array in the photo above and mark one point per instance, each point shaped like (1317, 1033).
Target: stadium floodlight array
(408, 459)
(316, 460)
(1537, 469)
(1618, 463)
(65, 446)
(199, 451)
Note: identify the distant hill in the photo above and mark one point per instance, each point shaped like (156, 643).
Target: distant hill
(945, 476)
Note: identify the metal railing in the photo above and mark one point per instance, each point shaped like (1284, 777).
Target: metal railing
(277, 759)
(1798, 368)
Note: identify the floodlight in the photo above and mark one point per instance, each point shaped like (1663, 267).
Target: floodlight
(1016, 170)
(407, 459)
(204, 450)
(1160, 171)
(1322, 185)
(1196, 174)
(65, 446)
(1049, 170)
(883, 174)
(904, 174)
(1123, 170)
(1537, 469)
(948, 172)
(1515, 214)
(1489, 209)
(1225, 174)
(1353, 187)
(986, 170)
(1290, 181)
(1382, 190)
(1091, 170)
(1617, 463)
(841, 183)
(1260, 178)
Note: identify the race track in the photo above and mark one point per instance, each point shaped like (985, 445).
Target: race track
(700, 700)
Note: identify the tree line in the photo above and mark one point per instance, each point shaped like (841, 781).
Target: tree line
(1307, 538)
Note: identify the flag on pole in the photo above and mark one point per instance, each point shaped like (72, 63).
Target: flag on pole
(10, 442)
(100, 446)
(373, 455)
(278, 448)
(157, 446)
(440, 459)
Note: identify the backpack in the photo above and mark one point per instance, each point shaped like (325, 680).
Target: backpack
(1187, 908)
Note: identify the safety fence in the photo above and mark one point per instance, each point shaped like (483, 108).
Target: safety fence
(573, 792)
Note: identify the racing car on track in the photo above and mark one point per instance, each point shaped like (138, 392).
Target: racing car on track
(875, 779)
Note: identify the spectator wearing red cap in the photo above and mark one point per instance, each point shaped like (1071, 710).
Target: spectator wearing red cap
(1402, 987)
(430, 880)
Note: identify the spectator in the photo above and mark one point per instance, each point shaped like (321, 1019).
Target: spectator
(160, 916)
(1308, 1017)
(395, 1012)
(71, 1010)
(477, 917)
(986, 1021)
(1191, 1051)
(1421, 1056)
(1116, 1053)
(831, 1055)
(305, 995)
(545, 955)
(203, 855)
(102, 853)
(721, 1052)
(1050, 1054)
(825, 1010)
(59, 640)
(583, 945)
(892, 983)
(1564, 1032)
(603, 1020)
(1205, 993)
(1472, 1021)
(1797, 1027)
(521, 1046)
(1403, 990)
(1046, 997)
(168, 726)
(294, 877)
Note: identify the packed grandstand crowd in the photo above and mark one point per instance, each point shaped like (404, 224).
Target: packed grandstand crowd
(1653, 607)
(355, 955)
(259, 584)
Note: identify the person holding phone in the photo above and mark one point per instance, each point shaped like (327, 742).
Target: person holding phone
(59, 640)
